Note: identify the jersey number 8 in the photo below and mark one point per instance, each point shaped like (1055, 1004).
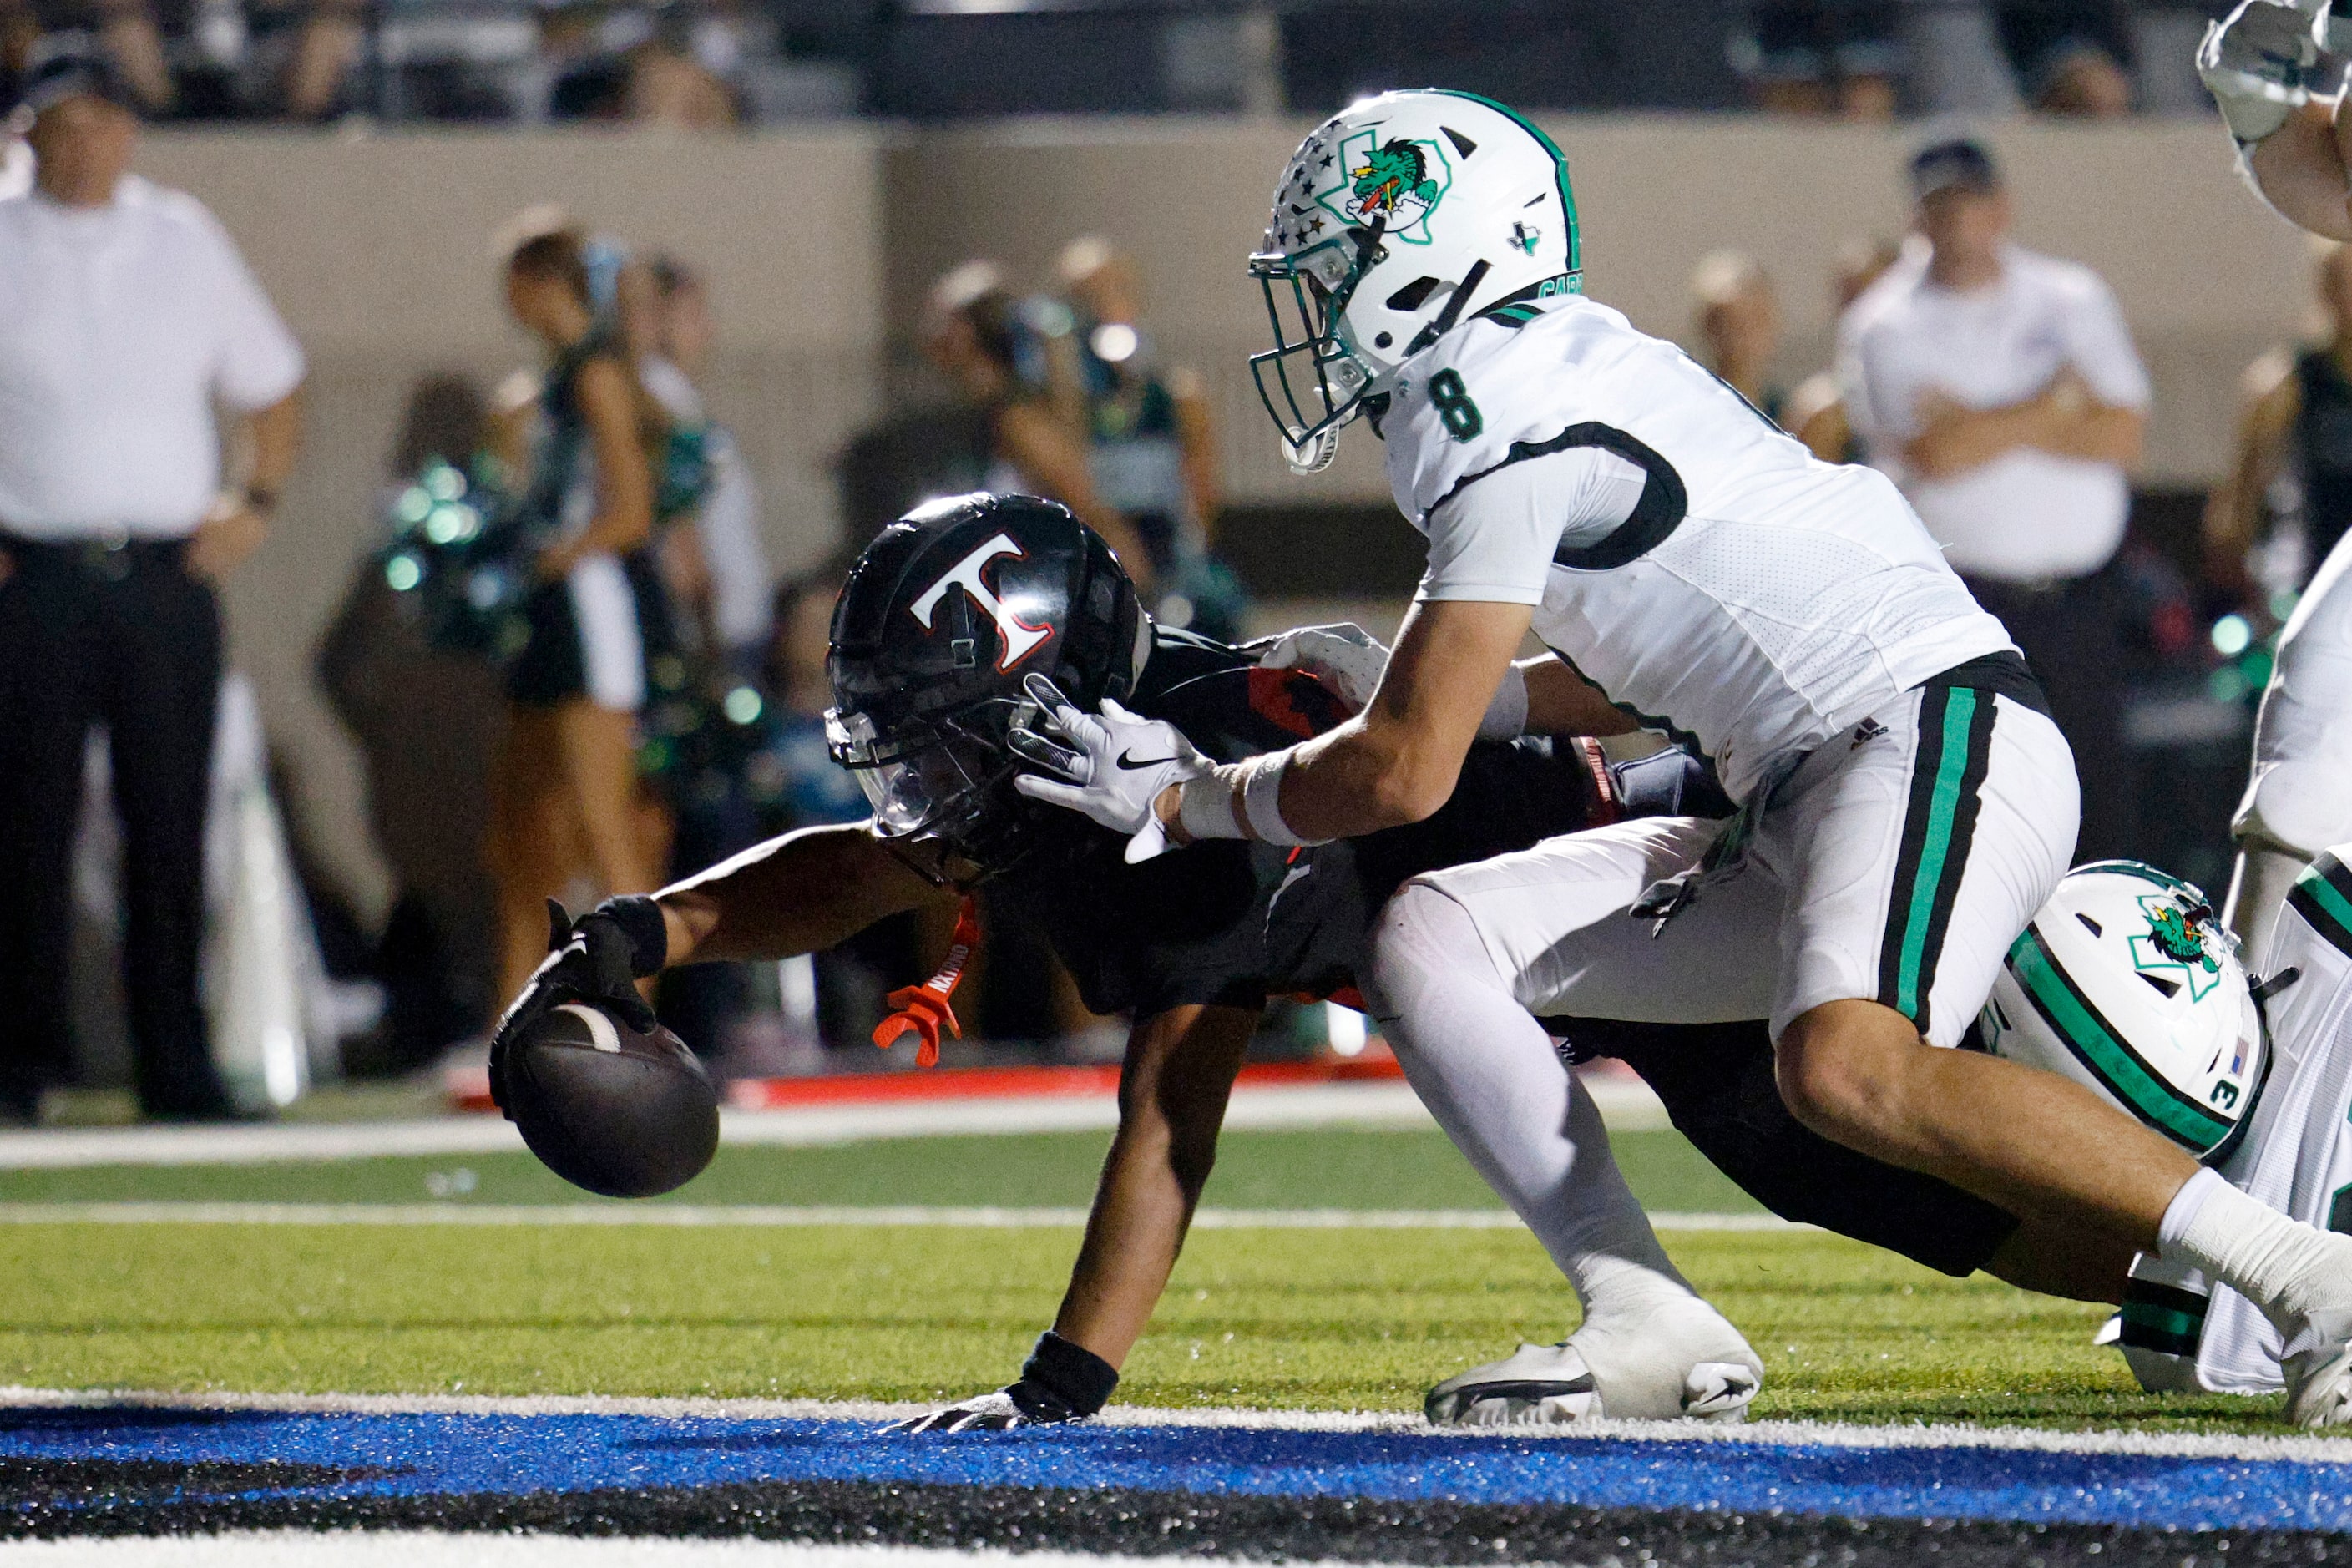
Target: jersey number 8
(1452, 401)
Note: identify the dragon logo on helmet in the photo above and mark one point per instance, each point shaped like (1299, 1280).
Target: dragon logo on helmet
(1399, 180)
(2176, 939)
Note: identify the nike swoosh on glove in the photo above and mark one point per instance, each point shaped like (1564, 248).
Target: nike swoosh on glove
(2262, 63)
(592, 961)
(1114, 769)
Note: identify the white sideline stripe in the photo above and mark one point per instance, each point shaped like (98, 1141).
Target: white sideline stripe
(690, 1215)
(1830, 1434)
(1626, 1105)
(436, 1549)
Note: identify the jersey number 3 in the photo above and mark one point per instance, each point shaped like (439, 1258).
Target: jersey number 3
(1452, 401)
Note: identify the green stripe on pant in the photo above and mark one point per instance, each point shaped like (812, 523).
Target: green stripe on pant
(1939, 828)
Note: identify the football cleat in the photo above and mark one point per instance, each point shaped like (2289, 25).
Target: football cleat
(1676, 1359)
(1536, 1385)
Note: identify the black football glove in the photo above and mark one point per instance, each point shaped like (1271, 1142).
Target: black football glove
(1060, 1382)
(596, 960)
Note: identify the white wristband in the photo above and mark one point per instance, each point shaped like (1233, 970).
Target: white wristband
(1262, 802)
(1506, 715)
(1205, 805)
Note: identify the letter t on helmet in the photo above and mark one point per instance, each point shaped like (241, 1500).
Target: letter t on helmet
(1397, 219)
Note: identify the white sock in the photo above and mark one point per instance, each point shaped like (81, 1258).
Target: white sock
(2284, 1266)
(1491, 1076)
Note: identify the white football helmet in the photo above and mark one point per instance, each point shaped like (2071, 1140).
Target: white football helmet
(1397, 219)
(2127, 984)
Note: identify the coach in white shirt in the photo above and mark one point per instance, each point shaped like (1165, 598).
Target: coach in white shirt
(126, 317)
(2001, 389)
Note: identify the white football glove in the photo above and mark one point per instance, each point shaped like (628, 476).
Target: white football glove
(2262, 62)
(1350, 660)
(1116, 767)
(987, 1412)
(1344, 656)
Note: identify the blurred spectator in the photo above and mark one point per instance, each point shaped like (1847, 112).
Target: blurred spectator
(2070, 57)
(1822, 57)
(648, 65)
(565, 796)
(1739, 322)
(972, 332)
(1815, 413)
(673, 361)
(2294, 462)
(1153, 439)
(124, 34)
(2001, 389)
(811, 789)
(427, 720)
(114, 533)
(835, 997)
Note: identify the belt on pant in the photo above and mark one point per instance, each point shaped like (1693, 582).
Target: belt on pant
(110, 557)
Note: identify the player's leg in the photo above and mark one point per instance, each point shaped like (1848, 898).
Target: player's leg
(1490, 1075)
(1984, 783)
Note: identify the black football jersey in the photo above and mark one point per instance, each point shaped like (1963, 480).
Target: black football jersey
(1191, 926)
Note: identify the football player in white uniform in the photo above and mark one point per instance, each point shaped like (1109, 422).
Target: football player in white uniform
(1907, 805)
(2178, 1328)
(2299, 798)
(2268, 69)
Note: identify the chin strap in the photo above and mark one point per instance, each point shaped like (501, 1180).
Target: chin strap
(923, 1008)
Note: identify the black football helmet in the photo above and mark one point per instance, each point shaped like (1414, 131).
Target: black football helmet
(943, 617)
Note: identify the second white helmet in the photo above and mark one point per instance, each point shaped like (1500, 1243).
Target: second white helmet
(1396, 219)
(2127, 984)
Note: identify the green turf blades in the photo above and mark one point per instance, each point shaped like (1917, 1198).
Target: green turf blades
(1339, 1167)
(1340, 1320)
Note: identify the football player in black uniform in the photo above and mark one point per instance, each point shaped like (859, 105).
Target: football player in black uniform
(937, 640)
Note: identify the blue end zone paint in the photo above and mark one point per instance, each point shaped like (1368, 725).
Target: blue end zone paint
(454, 1456)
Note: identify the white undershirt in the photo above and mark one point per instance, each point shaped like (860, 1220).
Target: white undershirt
(120, 328)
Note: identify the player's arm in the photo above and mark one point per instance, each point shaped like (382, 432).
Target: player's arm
(792, 895)
(1492, 543)
(1396, 761)
(2235, 514)
(800, 893)
(1180, 1071)
(2264, 65)
(2300, 170)
(1562, 702)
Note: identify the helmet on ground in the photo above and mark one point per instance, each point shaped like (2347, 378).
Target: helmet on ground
(1397, 219)
(2127, 984)
(943, 617)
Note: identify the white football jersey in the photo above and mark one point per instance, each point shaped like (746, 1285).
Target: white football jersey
(2179, 1331)
(1743, 596)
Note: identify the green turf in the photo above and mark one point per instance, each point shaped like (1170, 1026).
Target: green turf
(1323, 1168)
(1287, 1319)
(1361, 1320)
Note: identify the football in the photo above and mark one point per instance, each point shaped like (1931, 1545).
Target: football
(623, 1114)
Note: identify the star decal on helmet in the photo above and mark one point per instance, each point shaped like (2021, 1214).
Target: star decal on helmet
(2177, 943)
(1399, 180)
